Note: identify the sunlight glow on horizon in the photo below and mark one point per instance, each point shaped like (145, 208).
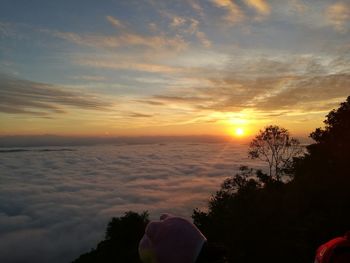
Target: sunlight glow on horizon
(239, 132)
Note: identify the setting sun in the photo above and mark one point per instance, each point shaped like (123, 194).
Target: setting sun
(239, 132)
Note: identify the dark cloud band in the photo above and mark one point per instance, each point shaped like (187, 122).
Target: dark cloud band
(18, 96)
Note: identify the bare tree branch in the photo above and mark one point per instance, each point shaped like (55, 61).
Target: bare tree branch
(274, 146)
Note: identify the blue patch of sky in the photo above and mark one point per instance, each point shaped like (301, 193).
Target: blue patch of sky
(81, 16)
(59, 15)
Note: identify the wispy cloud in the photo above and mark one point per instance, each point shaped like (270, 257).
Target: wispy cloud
(234, 13)
(177, 21)
(202, 37)
(187, 26)
(89, 78)
(5, 30)
(139, 115)
(115, 22)
(261, 6)
(338, 15)
(299, 6)
(27, 97)
(265, 84)
(309, 93)
(197, 7)
(112, 63)
(124, 40)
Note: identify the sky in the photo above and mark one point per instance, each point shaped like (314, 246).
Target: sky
(157, 67)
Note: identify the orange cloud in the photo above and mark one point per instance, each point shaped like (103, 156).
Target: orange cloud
(259, 5)
(234, 13)
(126, 39)
(137, 66)
(338, 15)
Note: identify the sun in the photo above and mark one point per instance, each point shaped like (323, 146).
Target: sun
(239, 132)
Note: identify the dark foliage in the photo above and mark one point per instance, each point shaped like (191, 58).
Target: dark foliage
(121, 242)
(257, 219)
(212, 253)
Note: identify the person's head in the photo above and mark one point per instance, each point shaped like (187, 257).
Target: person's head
(336, 250)
(171, 240)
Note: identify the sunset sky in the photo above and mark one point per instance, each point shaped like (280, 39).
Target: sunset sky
(184, 67)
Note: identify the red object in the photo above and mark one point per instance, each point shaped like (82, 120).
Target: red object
(336, 250)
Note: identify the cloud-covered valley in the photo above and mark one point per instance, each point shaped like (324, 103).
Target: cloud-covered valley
(54, 205)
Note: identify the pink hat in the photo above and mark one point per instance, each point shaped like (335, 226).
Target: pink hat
(171, 240)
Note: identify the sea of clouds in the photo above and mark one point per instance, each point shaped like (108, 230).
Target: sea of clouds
(55, 202)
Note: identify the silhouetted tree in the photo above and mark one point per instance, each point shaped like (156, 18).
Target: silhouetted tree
(275, 146)
(244, 181)
(334, 139)
(238, 215)
(121, 241)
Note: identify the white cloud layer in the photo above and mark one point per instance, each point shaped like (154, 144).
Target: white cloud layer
(54, 205)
